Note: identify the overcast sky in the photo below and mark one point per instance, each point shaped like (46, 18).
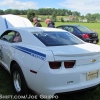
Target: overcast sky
(82, 6)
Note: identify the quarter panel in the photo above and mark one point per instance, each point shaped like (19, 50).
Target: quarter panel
(30, 58)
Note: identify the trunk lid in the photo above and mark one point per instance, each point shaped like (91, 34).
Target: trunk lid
(76, 50)
(82, 53)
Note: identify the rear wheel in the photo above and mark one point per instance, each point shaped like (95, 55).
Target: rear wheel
(18, 80)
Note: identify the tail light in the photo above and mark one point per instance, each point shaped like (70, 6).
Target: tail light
(55, 65)
(69, 64)
(85, 35)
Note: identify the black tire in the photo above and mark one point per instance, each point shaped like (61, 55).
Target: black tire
(22, 89)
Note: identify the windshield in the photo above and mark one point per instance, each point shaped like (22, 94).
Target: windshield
(57, 38)
(84, 29)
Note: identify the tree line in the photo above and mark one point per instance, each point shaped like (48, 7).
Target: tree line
(41, 11)
(54, 12)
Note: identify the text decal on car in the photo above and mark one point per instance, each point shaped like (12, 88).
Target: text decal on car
(31, 52)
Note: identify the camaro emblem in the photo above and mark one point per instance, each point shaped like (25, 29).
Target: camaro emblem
(93, 60)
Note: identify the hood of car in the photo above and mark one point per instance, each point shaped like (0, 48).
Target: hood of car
(86, 49)
(9, 21)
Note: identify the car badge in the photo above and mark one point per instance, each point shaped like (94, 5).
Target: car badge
(93, 60)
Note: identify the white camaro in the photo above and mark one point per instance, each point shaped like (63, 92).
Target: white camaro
(47, 60)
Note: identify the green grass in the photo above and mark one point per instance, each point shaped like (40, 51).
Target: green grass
(5, 83)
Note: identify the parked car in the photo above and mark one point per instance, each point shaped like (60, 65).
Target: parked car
(82, 32)
(49, 61)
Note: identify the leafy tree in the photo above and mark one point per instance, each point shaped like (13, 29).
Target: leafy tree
(8, 11)
(54, 16)
(16, 12)
(23, 12)
(30, 14)
(97, 16)
(75, 13)
(43, 11)
(1, 12)
(69, 12)
(49, 11)
(90, 17)
(62, 20)
(82, 17)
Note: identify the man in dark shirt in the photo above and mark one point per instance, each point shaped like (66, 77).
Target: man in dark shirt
(49, 23)
(36, 22)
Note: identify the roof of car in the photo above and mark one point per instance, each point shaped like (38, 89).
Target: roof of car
(69, 25)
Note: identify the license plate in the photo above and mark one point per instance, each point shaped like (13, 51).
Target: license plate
(92, 75)
(94, 41)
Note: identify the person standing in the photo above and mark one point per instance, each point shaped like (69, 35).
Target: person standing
(50, 23)
(36, 22)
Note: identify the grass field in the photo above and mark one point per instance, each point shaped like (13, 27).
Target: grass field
(5, 80)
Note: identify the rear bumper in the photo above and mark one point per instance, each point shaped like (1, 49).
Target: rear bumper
(77, 91)
(72, 89)
(64, 80)
(94, 40)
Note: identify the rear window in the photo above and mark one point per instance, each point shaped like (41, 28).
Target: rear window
(57, 38)
(84, 29)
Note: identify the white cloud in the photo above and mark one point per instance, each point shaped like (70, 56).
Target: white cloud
(15, 4)
(84, 6)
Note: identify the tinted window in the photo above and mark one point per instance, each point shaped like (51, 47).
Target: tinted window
(8, 36)
(11, 36)
(84, 29)
(69, 29)
(57, 38)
